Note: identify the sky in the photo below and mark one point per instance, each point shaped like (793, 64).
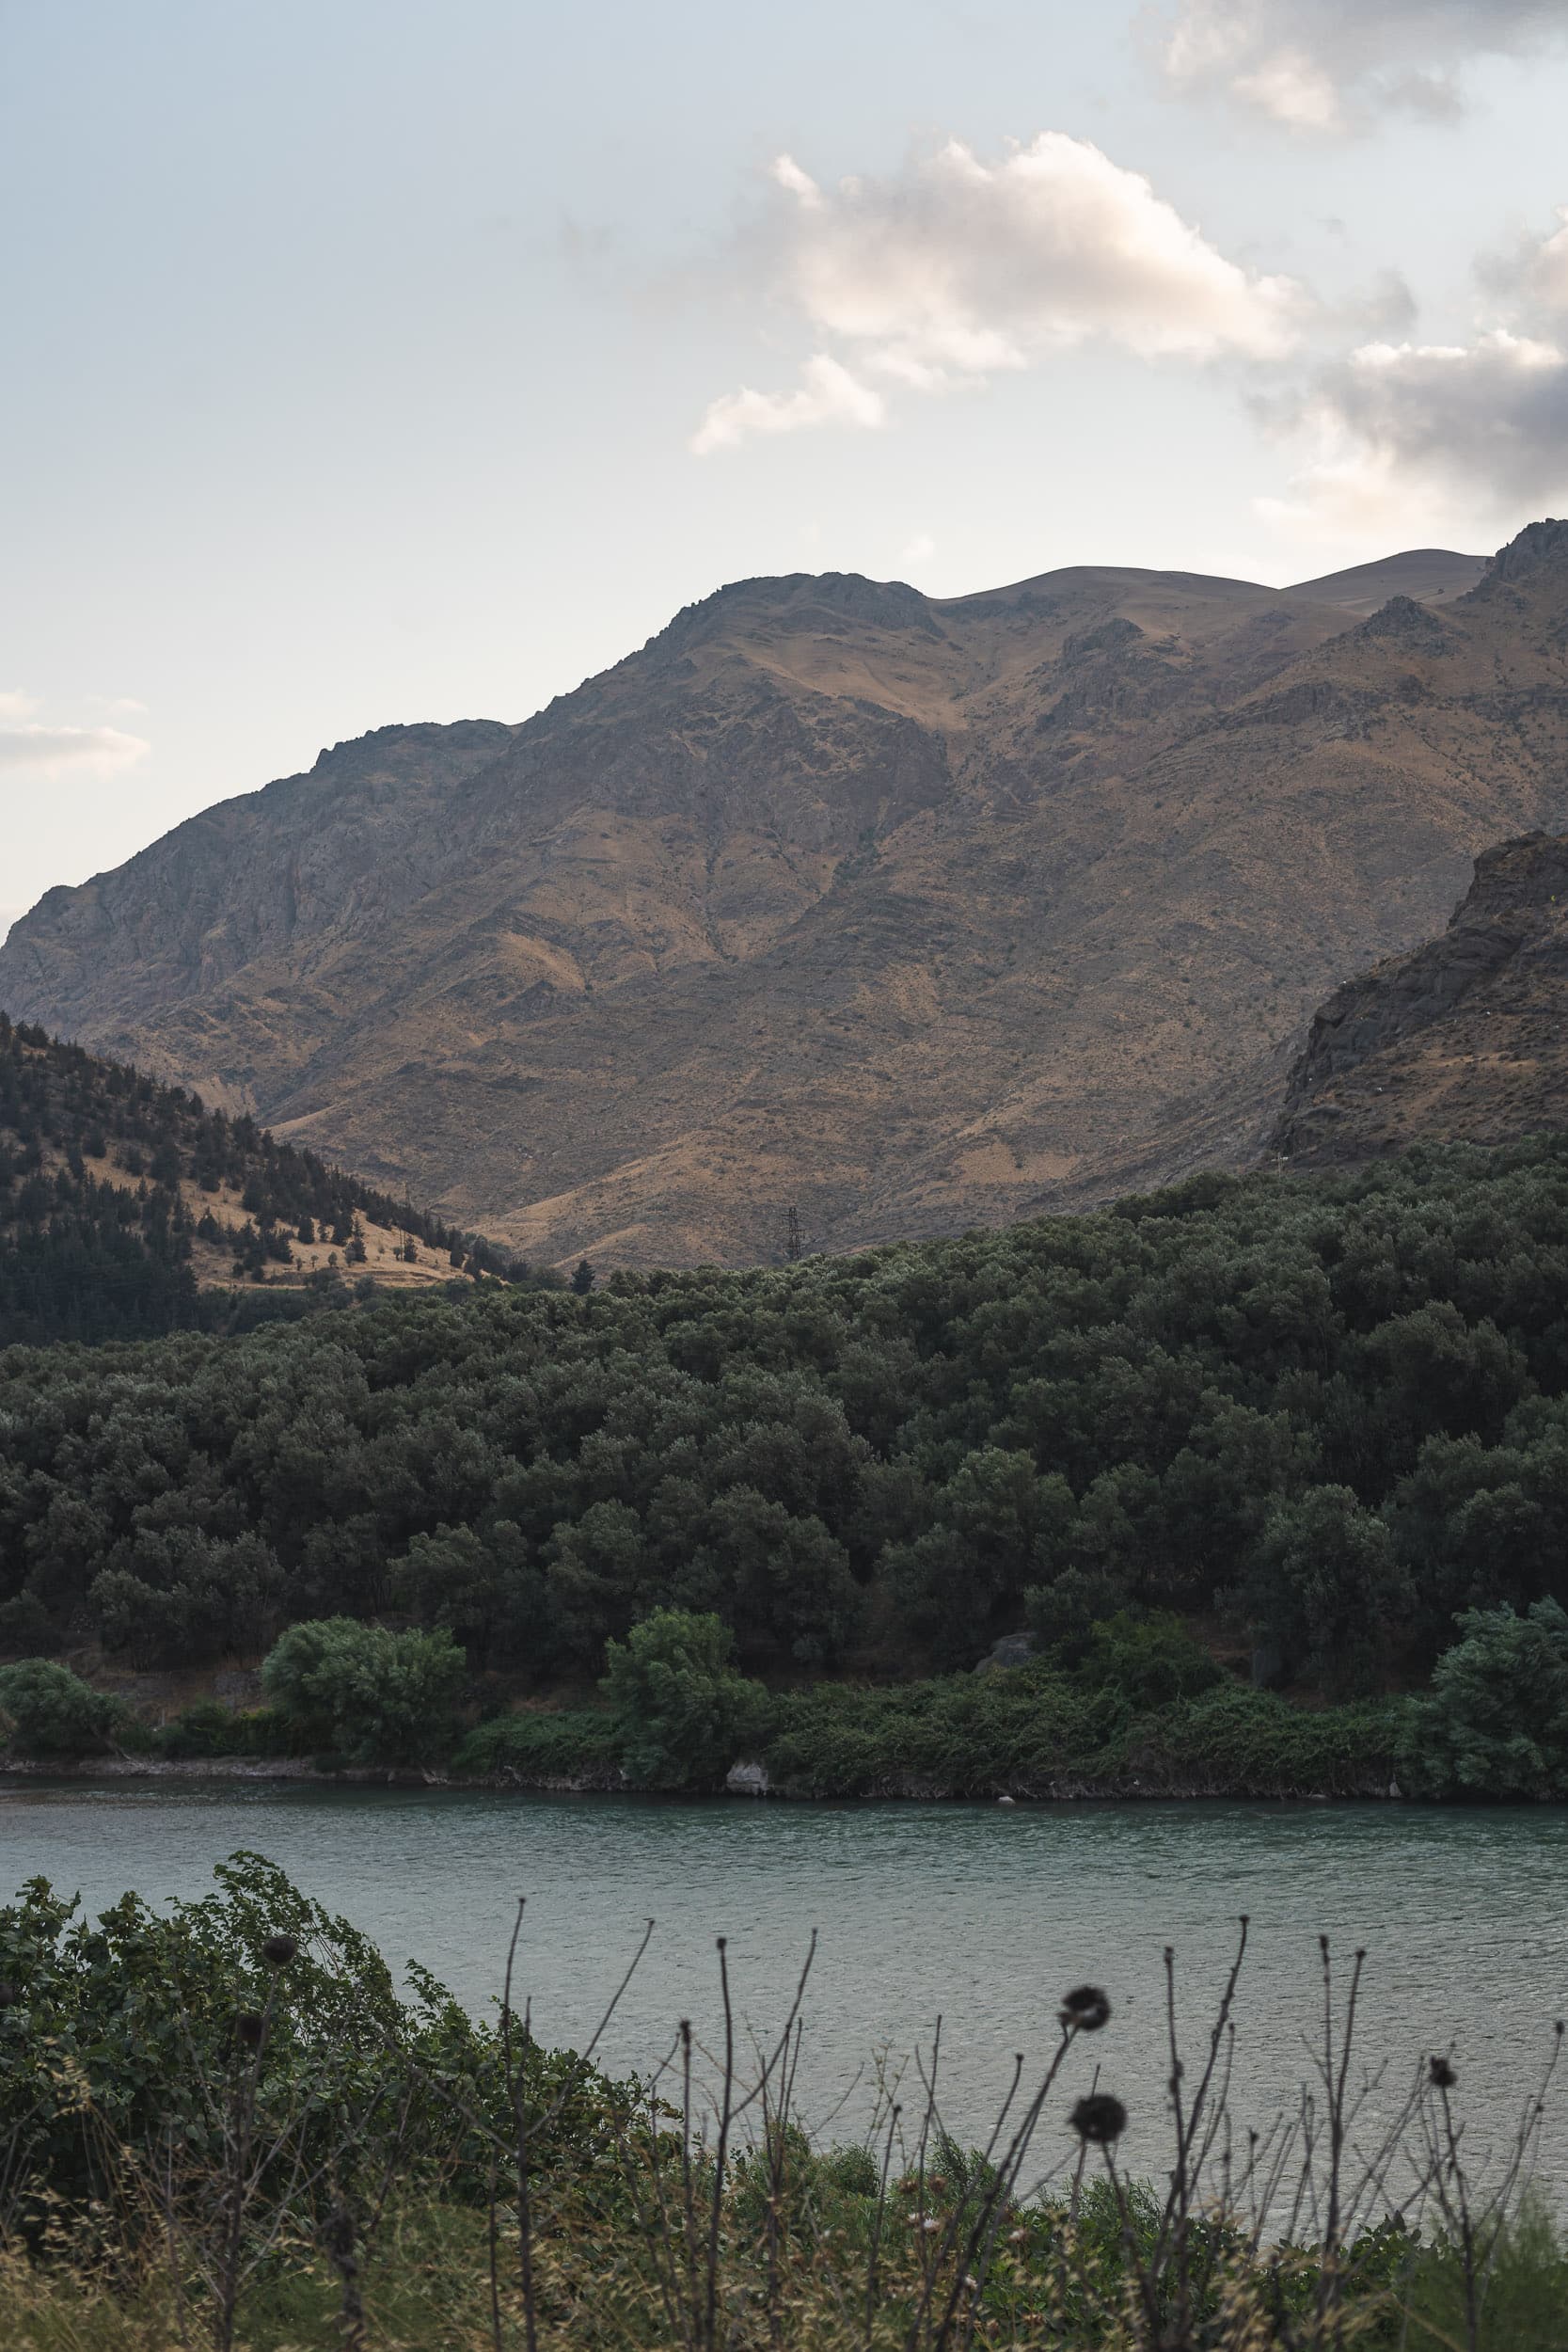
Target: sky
(368, 361)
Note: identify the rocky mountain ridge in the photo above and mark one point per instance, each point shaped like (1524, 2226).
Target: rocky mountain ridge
(908, 912)
(1464, 1039)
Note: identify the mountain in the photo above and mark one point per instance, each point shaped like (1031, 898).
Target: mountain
(1430, 574)
(911, 913)
(127, 1209)
(1463, 1040)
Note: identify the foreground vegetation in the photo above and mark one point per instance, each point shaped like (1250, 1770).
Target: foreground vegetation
(224, 2125)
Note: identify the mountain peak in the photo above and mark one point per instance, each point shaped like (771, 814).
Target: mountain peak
(823, 599)
(1539, 546)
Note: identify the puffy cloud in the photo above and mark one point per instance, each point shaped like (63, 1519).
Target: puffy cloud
(1406, 429)
(955, 268)
(828, 393)
(103, 751)
(17, 706)
(1334, 65)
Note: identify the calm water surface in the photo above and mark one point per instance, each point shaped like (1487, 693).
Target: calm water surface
(982, 1915)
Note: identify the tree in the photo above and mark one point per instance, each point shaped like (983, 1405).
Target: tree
(1497, 1722)
(1326, 1586)
(370, 1694)
(45, 1709)
(582, 1281)
(684, 1714)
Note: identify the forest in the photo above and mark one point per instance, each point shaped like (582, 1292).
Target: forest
(1317, 1418)
(97, 1166)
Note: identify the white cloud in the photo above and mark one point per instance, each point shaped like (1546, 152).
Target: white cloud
(1409, 430)
(1334, 65)
(955, 268)
(919, 549)
(17, 706)
(828, 393)
(103, 751)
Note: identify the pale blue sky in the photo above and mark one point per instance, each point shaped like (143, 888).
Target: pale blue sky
(355, 348)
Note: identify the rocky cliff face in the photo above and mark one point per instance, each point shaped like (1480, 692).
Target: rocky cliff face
(911, 913)
(1465, 1039)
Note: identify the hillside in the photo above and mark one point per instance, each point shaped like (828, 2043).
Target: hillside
(1463, 1040)
(127, 1209)
(1430, 575)
(911, 913)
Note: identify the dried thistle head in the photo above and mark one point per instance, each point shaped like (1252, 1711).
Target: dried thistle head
(278, 1950)
(1440, 2074)
(1100, 2119)
(251, 2029)
(1085, 2008)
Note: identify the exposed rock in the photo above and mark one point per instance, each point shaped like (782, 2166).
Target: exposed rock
(1465, 1039)
(1013, 1649)
(907, 913)
(746, 1780)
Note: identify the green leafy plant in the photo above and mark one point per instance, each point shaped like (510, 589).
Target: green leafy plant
(1497, 1722)
(365, 1692)
(683, 1714)
(45, 1709)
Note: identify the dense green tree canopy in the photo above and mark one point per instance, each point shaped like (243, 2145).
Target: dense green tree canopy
(1336, 1409)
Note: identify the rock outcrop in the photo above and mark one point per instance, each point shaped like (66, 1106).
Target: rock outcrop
(1465, 1039)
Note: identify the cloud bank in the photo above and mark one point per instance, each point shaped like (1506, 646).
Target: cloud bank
(101, 751)
(957, 269)
(1469, 428)
(1338, 65)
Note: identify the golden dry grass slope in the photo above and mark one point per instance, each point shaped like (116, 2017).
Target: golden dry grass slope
(915, 913)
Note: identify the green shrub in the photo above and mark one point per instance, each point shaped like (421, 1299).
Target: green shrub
(138, 2012)
(1497, 1722)
(964, 1735)
(1234, 1737)
(366, 1693)
(1151, 1659)
(683, 1714)
(206, 1727)
(45, 1709)
(571, 1744)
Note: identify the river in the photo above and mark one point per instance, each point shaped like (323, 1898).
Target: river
(980, 1914)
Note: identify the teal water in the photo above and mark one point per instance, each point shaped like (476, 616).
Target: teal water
(980, 1915)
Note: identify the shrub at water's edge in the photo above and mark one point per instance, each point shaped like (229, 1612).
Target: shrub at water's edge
(1083, 1720)
(682, 1714)
(1495, 1724)
(1120, 1706)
